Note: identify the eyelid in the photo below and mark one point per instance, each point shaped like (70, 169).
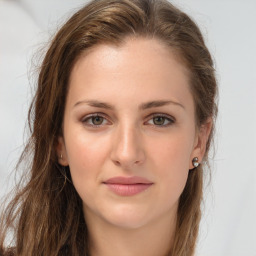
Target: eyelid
(163, 115)
(171, 119)
(98, 114)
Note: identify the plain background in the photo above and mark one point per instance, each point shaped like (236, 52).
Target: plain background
(228, 226)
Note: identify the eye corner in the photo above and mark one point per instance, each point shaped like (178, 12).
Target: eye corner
(164, 117)
(88, 120)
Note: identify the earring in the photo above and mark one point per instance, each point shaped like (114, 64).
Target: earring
(61, 156)
(195, 162)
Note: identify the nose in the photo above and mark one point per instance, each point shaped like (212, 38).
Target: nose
(127, 148)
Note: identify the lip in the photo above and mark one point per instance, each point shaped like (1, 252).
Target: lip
(128, 180)
(128, 186)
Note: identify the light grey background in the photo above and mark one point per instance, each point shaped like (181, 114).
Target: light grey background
(228, 226)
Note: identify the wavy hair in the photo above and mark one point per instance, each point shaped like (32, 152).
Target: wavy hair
(46, 214)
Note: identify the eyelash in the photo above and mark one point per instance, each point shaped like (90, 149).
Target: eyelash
(170, 119)
(84, 120)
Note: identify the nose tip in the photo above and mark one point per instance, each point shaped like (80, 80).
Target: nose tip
(127, 149)
(126, 163)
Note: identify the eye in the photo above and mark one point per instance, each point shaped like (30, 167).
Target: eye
(94, 120)
(161, 120)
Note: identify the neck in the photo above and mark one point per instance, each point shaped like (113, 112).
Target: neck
(154, 239)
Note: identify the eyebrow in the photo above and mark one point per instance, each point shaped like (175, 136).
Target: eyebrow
(159, 103)
(143, 106)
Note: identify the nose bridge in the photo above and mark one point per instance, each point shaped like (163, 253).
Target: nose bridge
(127, 147)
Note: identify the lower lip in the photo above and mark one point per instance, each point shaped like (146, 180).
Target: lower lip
(127, 189)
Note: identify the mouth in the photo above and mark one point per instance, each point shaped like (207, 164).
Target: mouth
(128, 186)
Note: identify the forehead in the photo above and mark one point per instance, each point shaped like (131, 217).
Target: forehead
(140, 68)
(138, 48)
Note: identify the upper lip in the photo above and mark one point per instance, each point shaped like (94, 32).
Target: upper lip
(128, 180)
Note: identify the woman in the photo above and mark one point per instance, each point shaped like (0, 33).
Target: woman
(122, 122)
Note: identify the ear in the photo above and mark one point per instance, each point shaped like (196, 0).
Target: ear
(61, 152)
(201, 139)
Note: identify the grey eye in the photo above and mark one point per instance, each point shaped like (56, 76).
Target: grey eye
(97, 120)
(159, 120)
(94, 120)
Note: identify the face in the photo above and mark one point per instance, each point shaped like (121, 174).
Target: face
(129, 133)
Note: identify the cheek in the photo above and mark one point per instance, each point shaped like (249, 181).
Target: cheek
(85, 156)
(171, 158)
(173, 151)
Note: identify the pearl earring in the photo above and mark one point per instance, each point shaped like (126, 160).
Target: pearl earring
(195, 162)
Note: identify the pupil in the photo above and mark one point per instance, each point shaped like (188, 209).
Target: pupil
(159, 120)
(97, 120)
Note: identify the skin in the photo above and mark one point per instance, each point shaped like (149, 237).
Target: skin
(130, 141)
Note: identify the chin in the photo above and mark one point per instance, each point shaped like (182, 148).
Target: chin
(127, 222)
(128, 217)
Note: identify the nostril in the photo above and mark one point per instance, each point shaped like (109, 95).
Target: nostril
(127, 150)
(117, 162)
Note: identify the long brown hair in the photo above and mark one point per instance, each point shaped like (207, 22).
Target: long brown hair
(46, 213)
